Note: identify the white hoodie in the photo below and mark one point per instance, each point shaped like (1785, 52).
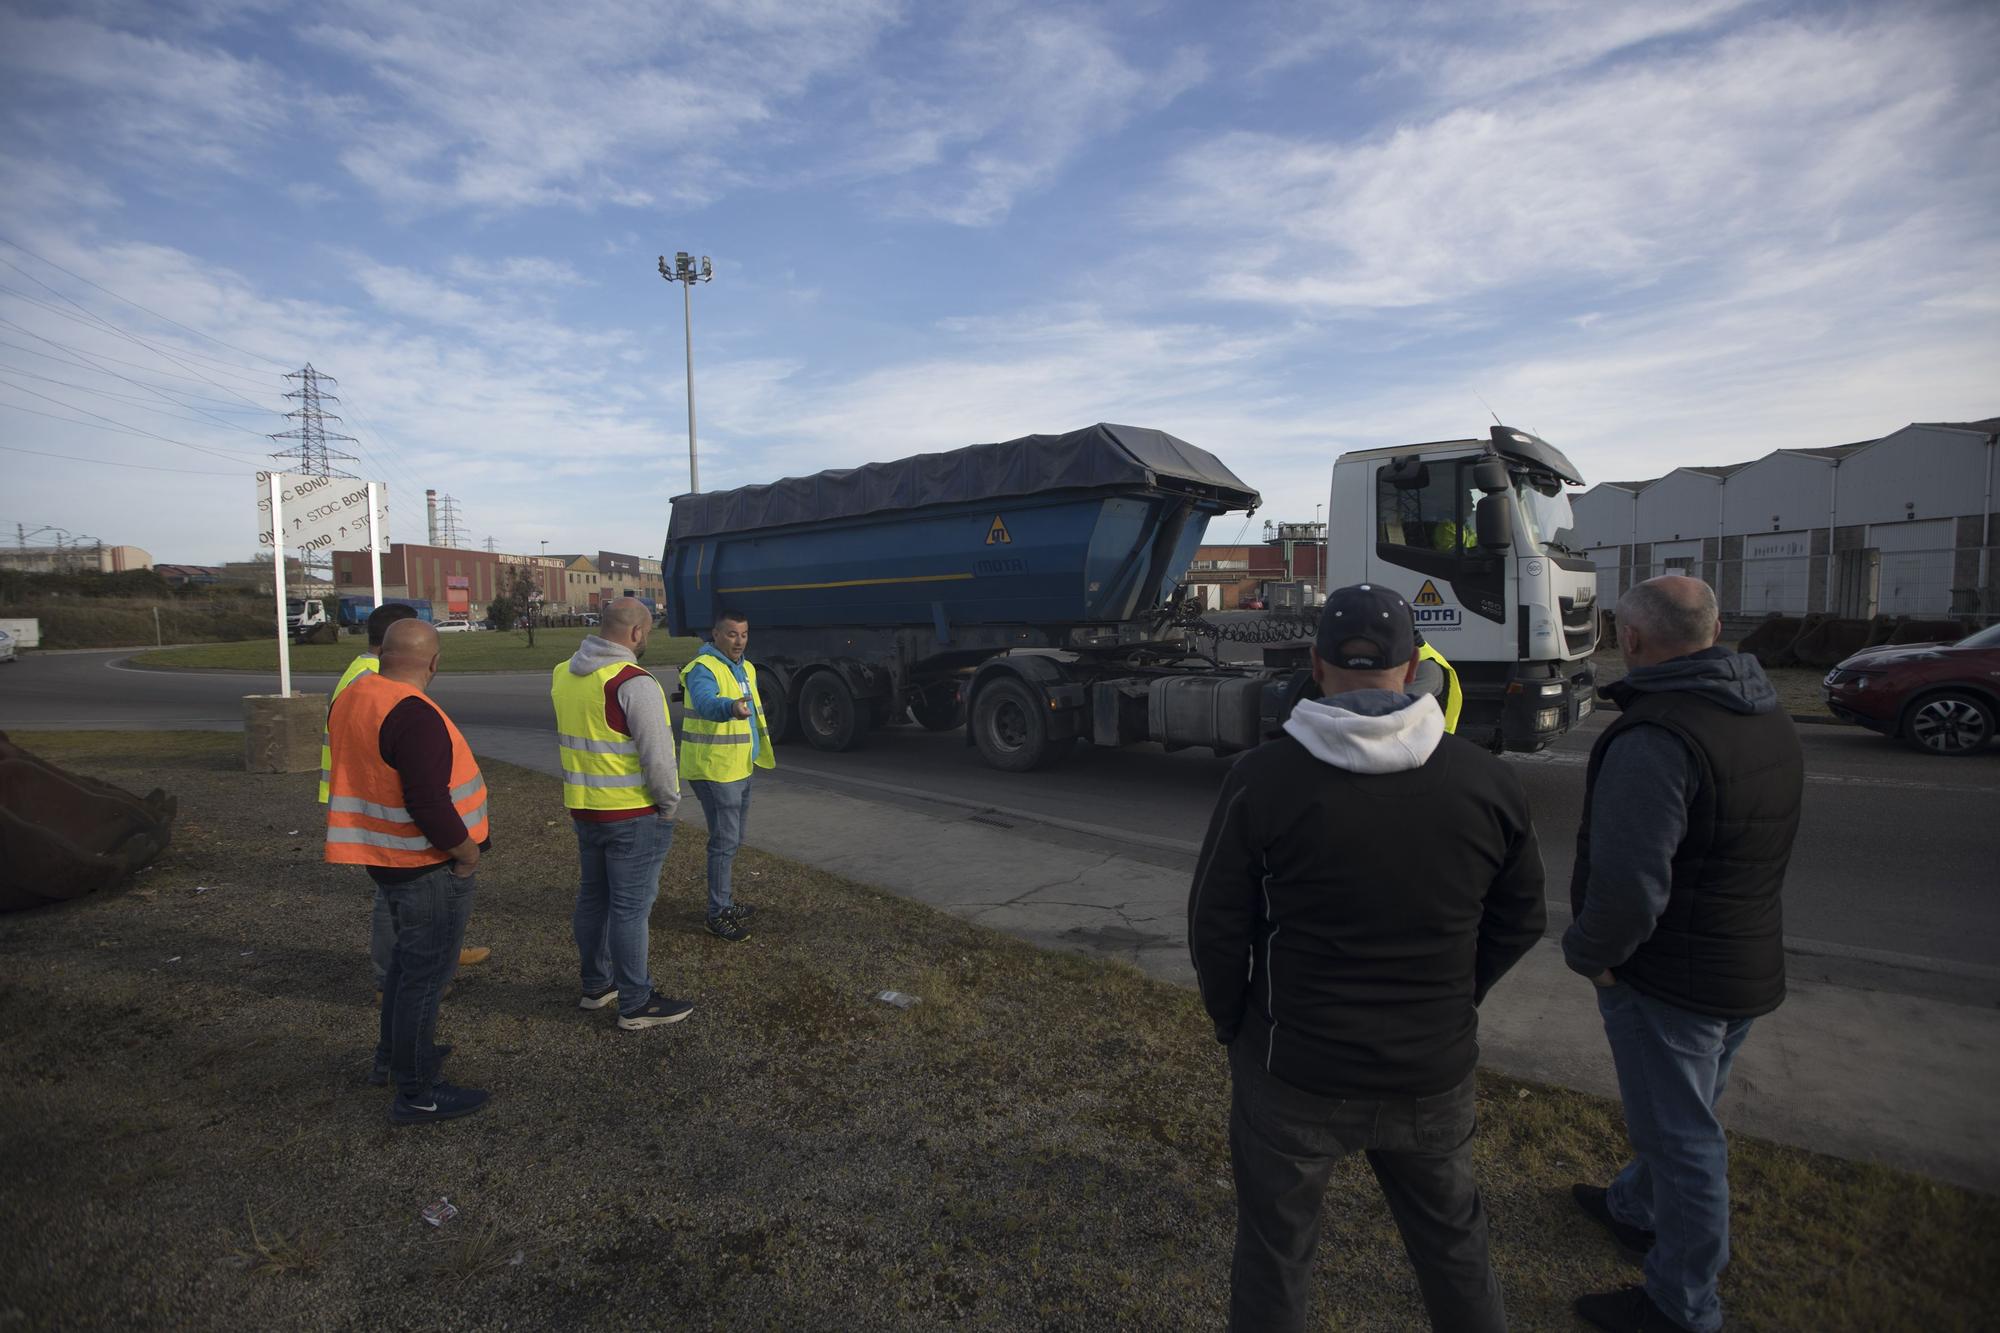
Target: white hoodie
(1369, 731)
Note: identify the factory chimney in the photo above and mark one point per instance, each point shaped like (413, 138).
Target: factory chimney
(431, 508)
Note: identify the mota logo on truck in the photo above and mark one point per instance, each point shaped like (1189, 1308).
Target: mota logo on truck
(1431, 610)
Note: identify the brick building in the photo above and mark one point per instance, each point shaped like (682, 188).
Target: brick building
(631, 576)
(435, 573)
(1223, 576)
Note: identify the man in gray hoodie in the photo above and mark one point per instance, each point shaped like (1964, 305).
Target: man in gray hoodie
(622, 790)
(1690, 807)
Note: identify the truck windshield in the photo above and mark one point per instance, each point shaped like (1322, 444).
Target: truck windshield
(294, 607)
(1547, 518)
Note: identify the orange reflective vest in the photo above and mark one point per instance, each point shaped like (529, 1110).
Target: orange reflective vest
(366, 823)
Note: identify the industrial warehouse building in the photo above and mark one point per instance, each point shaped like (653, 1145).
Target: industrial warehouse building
(1900, 526)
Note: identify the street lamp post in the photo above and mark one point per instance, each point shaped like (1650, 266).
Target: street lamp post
(687, 273)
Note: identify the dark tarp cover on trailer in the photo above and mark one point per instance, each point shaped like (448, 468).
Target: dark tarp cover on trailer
(1094, 457)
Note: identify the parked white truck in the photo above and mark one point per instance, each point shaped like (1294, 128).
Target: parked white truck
(1467, 530)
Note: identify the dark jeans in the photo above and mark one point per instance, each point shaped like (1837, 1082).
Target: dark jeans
(1672, 1067)
(1283, 1144)
(726, 807)
(621, 864)
(429, 915)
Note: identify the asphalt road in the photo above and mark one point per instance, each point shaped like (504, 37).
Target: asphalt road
(1896, 865)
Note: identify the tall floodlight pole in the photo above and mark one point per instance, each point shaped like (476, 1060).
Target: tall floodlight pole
(686, 273)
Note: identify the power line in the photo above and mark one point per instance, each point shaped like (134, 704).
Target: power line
(136, 306)
(204, 420)
(122, 425)
(106, 462)
(119, 361)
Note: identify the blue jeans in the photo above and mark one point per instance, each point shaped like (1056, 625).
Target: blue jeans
(621, 864)
(726, 807)
(381, 937)
(1672, 1067)
(428, 915)
(1283, 1145)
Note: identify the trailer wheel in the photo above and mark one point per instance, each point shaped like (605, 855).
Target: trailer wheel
(938, 708)
(829, 714)
(1010, 727)
(781, 713)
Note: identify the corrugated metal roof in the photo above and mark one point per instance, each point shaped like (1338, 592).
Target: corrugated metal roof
(1986, 427)
(1831, 451)
(1717, 470)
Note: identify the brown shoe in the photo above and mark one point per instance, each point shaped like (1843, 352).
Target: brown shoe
(467, 957)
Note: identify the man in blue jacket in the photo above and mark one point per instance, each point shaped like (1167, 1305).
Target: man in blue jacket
(724, 741)
(1690, 807)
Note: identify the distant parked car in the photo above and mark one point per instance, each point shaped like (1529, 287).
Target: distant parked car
(1251, 604)
(1940, 697)
(6, 646)
(453, 626)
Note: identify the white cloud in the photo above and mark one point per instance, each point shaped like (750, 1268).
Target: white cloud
(1624, 178)
(1016, 93)
(517, 271)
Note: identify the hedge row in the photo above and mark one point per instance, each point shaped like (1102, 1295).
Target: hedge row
(104, 623)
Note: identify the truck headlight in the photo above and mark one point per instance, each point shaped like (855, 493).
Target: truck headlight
(1548, 719)
(1552, 690)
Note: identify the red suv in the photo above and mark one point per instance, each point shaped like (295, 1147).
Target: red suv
(1940, 697)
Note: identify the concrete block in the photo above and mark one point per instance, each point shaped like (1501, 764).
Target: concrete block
(282, 734)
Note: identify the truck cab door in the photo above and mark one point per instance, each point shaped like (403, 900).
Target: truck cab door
(1426, 546)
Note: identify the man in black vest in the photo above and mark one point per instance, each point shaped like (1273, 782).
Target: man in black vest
(1689, 812)
(1365, 881)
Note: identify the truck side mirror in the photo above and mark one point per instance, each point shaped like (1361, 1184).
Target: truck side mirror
(1490, 475)
(1496, 532)
(1408, 473)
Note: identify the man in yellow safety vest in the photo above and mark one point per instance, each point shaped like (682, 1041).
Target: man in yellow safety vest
(621, 790)
(724, 741)
(1437, 678)
(381, 928)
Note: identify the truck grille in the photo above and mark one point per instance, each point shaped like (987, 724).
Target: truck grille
(1579, 621)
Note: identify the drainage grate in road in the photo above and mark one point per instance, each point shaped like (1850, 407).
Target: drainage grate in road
(995, 821)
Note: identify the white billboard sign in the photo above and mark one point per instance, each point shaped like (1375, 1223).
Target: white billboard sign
(322, 514)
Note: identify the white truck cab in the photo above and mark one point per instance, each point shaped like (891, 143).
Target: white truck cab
(1465, 529)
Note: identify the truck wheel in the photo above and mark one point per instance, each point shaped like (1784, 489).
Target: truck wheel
(938, 708)
(781, 713)
(829, 714)
(1011, 729)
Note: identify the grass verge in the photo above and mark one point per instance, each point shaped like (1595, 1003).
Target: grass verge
(186, 1138)
(475, 650)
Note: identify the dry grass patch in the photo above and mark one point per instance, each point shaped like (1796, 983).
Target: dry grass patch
(1038, 1143)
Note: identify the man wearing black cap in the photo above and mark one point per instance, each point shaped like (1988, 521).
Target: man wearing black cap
(1365, 880)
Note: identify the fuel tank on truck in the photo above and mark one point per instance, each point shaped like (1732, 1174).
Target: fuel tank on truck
(1093, 526)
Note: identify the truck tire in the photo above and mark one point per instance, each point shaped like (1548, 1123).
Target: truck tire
(830, 716)
(938, 708)
(1010, 726)
(781, 712)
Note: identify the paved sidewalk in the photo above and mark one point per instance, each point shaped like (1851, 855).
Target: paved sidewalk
(1904, 1080)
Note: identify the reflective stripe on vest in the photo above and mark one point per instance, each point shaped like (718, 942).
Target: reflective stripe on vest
(600, 764)
(363, 662)
(1454, 697)
(366, 821)
(720, 751)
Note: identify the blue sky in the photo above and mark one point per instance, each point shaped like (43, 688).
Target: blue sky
(1657, 234)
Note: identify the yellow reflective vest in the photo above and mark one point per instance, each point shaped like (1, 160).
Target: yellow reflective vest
(720, 751)
(1454, 698)
(362, 662)
(601, 769)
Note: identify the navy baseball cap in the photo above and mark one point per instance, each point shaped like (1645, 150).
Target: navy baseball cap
(1371, 614)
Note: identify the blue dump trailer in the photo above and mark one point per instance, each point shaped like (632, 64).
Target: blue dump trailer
(354, 611)
(1027, 590)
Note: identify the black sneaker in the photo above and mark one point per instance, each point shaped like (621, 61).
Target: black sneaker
(378, 1075)
(1627, 1310)
(1633, 1242)
(727, 927)
(597, 999)
(741, 911)
(659, 1011)
(443, 1102)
